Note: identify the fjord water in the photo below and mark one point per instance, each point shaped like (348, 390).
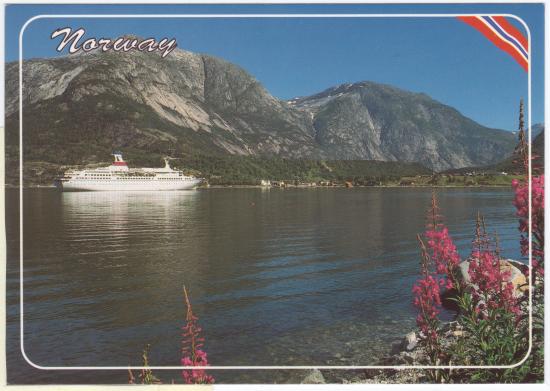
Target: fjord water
(277, 277)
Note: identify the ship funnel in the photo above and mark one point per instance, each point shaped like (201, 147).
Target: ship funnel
(119, 164)
(118, 156)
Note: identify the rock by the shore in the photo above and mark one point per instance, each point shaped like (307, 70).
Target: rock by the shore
(410, 341)
(517, 276)
(314, 377)
(407, 343)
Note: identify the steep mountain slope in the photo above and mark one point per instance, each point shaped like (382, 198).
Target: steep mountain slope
(512, 164)
(77, 109)
(375, 121)
(94, 103)
(537, 129)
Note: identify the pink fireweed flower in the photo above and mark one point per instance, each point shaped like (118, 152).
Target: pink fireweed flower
(192, 355)
(494, 290)
(427, 300)
(443, 254)
(521, 202)
(439, 262)
(196, 376)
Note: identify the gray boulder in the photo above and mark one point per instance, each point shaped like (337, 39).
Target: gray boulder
(409, 341)
(314, 377)
(517, 277)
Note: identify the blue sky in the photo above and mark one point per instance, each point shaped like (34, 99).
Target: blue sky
(442, 57)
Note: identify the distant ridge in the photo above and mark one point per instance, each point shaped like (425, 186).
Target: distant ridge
(510, 164)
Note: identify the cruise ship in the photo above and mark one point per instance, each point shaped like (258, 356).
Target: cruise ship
(118, 177)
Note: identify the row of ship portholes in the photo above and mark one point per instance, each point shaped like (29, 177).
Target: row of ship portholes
(129, 179)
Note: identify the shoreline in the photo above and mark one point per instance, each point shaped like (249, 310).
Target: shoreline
(10, 186)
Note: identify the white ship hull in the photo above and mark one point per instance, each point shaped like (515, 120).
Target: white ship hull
(119, 177)
(127, 185)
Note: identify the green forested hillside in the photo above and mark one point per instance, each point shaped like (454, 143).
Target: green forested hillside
(231, 170)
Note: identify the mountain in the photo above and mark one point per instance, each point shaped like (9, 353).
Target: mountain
(537, 129)
(376, 121)
(512, 164)
(78, 108)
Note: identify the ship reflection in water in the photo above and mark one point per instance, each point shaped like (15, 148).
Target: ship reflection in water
(277, 277)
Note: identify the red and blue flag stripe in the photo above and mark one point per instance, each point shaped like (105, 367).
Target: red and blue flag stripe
(503, 35)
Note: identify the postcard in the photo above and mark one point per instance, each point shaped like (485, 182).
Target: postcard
(274, 193)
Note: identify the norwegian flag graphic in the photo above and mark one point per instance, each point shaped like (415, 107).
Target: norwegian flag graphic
(503, 35)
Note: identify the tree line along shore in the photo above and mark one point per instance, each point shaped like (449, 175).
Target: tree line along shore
(277, 172)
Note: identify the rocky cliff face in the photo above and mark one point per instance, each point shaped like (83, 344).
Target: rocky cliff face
(374, 121)
(79, 108)
(137, 100)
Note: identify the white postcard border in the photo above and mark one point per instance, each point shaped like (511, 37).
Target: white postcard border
(276, 15)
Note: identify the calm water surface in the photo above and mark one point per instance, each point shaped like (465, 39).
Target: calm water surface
(277, 277)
